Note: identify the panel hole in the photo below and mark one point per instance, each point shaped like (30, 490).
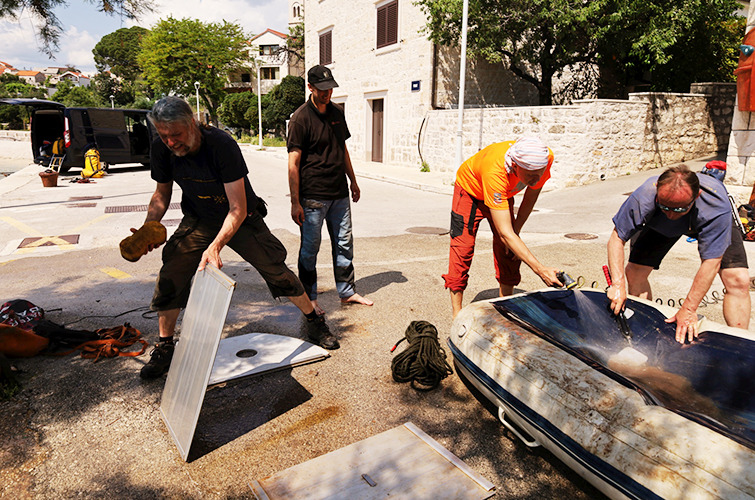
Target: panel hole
(246, 353)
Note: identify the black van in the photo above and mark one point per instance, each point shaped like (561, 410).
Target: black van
(120, 135)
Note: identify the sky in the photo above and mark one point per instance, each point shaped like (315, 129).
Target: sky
(84, 26)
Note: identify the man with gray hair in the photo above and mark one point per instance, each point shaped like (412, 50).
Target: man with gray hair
(220, 209)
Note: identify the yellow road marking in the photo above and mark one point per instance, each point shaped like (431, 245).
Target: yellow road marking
(21, 226)
(115, 273)
(93, 221)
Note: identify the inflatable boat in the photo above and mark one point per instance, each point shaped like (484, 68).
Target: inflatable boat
(638, 416)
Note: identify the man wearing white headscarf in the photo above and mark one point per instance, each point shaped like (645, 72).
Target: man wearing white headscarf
(485, 187)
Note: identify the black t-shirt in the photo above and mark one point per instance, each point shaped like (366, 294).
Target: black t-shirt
(322, 141)
(201, 176)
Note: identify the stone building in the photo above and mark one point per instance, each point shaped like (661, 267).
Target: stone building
(391, 75)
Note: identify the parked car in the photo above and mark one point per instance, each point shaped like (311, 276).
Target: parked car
(120, 135)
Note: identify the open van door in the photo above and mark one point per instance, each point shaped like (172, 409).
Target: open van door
(110, 134)
(49, 128)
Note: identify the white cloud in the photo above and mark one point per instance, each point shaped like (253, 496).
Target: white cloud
(84, 27)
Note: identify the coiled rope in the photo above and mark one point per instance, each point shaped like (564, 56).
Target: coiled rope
(423, 362)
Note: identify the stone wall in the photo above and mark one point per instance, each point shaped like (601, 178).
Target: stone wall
(592, 139)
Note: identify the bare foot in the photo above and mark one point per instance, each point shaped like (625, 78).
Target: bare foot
(319, 310)
(357, 299)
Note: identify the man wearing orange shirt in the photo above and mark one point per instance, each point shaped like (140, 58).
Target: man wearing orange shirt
(485, 187)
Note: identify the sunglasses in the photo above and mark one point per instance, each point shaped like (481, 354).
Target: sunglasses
(676, 210)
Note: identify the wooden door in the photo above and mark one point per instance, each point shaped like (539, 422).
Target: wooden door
(377, 130)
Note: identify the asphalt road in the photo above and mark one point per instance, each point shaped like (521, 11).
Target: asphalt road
(79, 428)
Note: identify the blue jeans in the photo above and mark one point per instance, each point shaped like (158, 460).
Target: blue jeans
(337, 217)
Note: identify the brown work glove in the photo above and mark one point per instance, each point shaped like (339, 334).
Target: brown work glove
(149, 236)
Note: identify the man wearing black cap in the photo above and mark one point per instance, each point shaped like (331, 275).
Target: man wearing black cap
(318, 167)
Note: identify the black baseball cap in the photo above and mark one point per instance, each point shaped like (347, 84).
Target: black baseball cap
(321, 78)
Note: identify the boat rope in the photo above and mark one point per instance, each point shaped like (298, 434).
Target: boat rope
(423, 362)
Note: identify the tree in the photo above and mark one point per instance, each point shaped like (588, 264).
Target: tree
(71, 95)
(675, 43)
(104, 86)
(233, 110)
(50, 27)
(534, 39)
(16, 117)
(117, 52)
(539, 39)
(176, 53)
(295, 44)
(282, 100)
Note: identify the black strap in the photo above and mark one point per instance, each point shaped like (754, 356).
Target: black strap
(472, 215)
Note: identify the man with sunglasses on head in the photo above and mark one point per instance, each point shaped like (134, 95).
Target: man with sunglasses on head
(680, 202)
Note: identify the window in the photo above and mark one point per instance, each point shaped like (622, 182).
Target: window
(268, 50)
(246, 77)
(269, 73)
(387, 24)
(326, 48)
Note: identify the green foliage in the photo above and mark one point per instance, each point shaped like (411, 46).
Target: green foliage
(72, 96)
(233, 110)
(117, 52)
(425, 167)
(48, 25)
(176, 53)
(295, 43)
(103, 86)
(282, 100)
(676, 42)
(16, 117)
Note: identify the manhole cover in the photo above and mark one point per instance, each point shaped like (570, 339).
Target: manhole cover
(427, 230)
(581, 236)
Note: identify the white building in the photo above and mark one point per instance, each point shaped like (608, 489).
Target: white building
(74, 77)
(269, 61)
(391, 75)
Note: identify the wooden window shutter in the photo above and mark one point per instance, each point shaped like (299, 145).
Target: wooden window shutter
(326, 48)
(387, 24)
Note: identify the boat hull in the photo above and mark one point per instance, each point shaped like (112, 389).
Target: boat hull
(601, 428)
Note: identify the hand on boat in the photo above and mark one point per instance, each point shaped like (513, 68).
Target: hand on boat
(686, 325)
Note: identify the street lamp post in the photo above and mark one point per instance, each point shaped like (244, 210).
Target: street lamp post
(259, 105)
(196, 86)
(112, 102)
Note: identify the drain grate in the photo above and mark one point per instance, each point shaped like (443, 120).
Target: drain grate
(581, 236)
(80, 205)
(84, 198)
(427, 230)
(136, 208)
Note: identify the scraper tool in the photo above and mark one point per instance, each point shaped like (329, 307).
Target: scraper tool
(621, 318)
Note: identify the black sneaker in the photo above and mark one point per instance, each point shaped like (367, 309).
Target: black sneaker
(319, 333)
(159, 363)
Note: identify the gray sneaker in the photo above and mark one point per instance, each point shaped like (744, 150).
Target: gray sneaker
(320, 334)
(159, 363)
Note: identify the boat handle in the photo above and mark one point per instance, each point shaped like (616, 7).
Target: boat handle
(532, 443)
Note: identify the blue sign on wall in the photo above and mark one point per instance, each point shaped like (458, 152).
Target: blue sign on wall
(415, 85)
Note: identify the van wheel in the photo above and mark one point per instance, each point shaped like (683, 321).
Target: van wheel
(105, 166)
